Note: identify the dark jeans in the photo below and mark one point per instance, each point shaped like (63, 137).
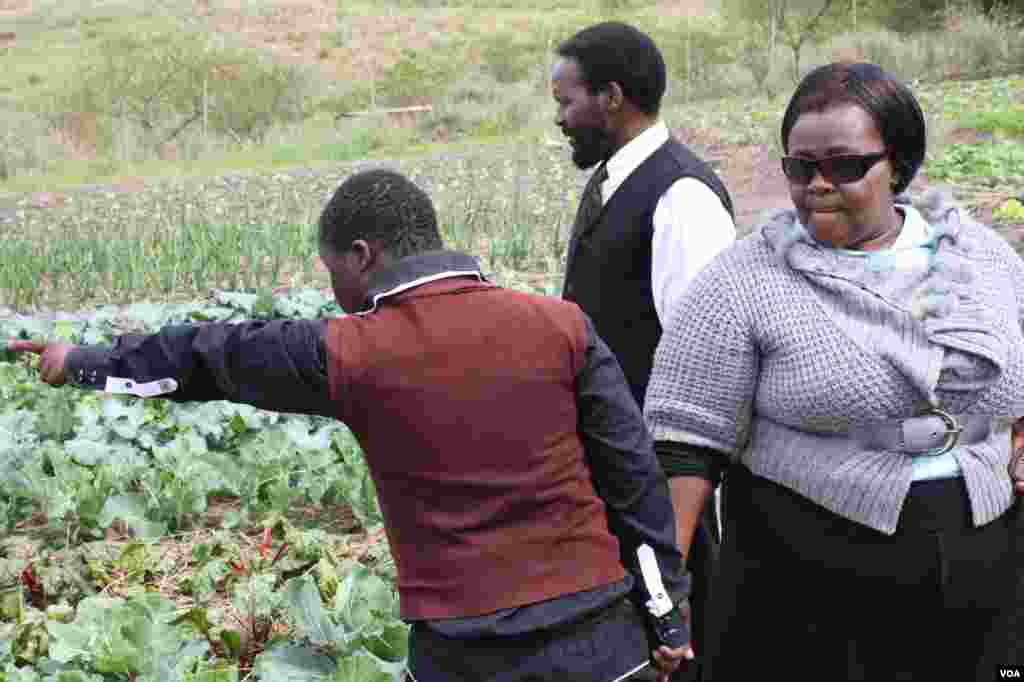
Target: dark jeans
(804, 594)
(601, 648)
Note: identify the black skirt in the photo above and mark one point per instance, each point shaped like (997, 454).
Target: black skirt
(804, 594)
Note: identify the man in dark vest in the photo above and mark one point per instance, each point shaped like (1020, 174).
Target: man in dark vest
(651, 216)
(530, 524)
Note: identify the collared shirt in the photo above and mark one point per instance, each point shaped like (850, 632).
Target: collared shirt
(281, 365)
(691, 226)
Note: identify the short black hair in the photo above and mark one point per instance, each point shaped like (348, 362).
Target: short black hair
(382, 207)
(891, 104)
(614, 51)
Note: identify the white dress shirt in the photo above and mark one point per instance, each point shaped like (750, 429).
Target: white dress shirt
(690, 223)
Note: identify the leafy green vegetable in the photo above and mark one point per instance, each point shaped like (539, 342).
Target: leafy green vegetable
(133, 636)
(132, 510)
(89, 461)
(292, 663)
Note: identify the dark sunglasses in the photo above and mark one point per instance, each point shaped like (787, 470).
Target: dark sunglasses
(838, 170)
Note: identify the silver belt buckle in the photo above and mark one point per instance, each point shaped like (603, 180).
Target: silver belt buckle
(953, 429)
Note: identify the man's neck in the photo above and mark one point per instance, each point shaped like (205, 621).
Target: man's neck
(632, 129)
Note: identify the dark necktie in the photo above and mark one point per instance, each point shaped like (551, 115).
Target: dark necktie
(590, 203)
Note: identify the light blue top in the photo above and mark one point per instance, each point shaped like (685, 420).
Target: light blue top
(913, 249)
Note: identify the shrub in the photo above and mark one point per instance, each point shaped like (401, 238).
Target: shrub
(417, 76)
(694, 48)
(890, 51)
(981, 44)
(478, 104)
(17, 156)
(909, 16)
(1009, 121)
(754, 55)
(507, 59)
(158, 86)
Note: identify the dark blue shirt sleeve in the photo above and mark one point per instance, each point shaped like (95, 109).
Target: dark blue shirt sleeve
(277, 365)
(625, 471)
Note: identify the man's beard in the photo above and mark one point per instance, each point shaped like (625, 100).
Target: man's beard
(591, 146)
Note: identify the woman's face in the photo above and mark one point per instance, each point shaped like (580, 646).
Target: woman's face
(854, 215)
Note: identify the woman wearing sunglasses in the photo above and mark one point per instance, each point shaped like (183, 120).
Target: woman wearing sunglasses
(858, 362)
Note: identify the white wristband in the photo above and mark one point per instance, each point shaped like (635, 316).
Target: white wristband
(149, 389)
(660, 603)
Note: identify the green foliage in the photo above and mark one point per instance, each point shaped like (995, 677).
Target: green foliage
(908, 16)
(89, 460)
(981, 46)
(132, 636)
(798, 22)
(354, 636)
(1008, 121)
(990, 164)
(1012, 211)
(166, 82)
(507, 56)
(693, 48)
(361, 633)
(181, 256)
(414, 78)
(886, 49)
(753, 53)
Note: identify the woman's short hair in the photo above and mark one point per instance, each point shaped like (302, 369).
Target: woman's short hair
(614, 51)
(890, 103)
(382, 207)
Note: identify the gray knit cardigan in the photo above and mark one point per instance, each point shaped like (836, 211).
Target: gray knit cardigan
(781, 344)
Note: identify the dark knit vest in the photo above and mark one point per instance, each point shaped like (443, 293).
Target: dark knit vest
(608, 271)
(462, 396)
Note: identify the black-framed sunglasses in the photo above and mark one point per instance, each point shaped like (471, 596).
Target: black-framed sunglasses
(838, 170)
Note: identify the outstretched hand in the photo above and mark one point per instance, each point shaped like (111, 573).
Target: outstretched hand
(52, 355)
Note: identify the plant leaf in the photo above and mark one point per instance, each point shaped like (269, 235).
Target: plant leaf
(130, 508)
(364, 667)
(306, 610)
(290, 663)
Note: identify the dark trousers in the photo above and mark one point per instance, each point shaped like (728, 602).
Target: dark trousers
(600, 648)
(804, 594)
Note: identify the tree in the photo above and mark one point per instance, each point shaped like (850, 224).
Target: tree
(991, 7)
(794, 23)
(163, 85)
(797, 27)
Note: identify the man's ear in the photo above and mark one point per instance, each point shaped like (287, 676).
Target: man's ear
(615, 97)
(363, 253)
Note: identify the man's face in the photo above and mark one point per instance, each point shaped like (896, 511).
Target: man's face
(348, 278)
(583, 117)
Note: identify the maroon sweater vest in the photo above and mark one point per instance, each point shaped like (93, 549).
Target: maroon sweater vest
(461, 395)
